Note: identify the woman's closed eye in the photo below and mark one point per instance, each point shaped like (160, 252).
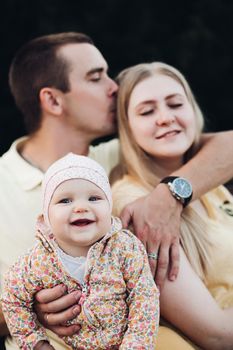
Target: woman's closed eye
(147, 111)
(175, 105)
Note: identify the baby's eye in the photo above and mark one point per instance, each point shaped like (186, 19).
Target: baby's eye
(94, 198)
(65, 200)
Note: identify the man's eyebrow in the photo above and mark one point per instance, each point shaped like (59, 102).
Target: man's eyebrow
(94, 70)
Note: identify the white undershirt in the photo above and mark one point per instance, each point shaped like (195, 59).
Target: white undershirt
(74, 265)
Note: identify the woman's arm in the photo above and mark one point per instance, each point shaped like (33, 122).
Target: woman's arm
(188, 305)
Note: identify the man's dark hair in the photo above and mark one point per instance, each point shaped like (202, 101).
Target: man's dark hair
(36, 65)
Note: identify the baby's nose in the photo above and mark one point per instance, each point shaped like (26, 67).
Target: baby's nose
(78, 209)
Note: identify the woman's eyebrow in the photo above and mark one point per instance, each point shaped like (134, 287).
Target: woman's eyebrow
(174, 95)
(145, 102)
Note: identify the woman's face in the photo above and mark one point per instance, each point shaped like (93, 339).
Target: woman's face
(161, 118)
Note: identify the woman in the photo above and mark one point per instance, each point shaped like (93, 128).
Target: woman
(160, 124)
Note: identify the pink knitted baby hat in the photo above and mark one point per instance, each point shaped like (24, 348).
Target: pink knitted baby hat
(69, 167)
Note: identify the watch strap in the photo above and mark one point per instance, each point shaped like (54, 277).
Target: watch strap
(168, 179)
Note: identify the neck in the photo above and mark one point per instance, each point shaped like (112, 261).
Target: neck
(50, 143)
(167, 166)
(74, 251)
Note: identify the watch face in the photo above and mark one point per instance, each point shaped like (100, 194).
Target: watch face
(182, 187)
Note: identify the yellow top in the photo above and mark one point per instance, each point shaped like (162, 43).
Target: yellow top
(219, 207)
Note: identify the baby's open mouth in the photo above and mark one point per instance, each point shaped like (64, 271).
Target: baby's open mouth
(82, 222)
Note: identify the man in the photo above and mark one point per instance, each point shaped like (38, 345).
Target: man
(56, 123)
(60, 84)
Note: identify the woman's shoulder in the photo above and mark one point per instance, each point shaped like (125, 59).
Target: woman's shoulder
(125, 191)
(129, 181)
(221, 193)
(218, 201)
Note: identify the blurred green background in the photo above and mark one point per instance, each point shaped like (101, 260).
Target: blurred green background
(194, 36)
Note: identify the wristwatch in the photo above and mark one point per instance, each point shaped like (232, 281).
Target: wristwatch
(180, 188)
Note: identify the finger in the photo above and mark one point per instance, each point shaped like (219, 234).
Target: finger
(153, 247)
(174, 261)
(143, 240)
(162, 265)
(63, 331)
(141, 231)
(48, 295)
(43, 345)
(59, 304)
(143, 236)
(153, 265)
(153, 242)
(126, 217)
(61, 318)
(153, 261)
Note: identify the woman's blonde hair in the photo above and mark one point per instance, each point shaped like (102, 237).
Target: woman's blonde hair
(138, 164)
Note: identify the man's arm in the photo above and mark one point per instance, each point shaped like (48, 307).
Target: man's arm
(212, 165)
(156, 217)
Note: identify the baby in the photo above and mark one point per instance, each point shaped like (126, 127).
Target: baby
(82, 246)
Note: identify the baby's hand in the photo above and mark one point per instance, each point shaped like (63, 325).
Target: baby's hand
(43, 345)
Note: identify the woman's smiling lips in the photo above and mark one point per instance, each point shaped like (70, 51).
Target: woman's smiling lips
(168, 134)
(82, 222)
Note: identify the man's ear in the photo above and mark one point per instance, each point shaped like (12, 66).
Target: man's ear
(51, 100)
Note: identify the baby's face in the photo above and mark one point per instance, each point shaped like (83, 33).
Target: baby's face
(79, 215)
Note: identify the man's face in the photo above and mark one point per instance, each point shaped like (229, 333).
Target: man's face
(89, 106)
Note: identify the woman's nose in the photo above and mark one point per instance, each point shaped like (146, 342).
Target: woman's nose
(165, 117)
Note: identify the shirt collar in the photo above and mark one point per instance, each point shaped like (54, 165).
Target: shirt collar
(26, 175)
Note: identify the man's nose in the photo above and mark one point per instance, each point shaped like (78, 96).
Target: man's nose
(113, 87)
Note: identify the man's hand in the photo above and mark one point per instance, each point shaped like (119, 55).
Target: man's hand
(156, 222)
(43, 345)
(54, 308)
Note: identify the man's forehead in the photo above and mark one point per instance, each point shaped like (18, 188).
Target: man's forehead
(84, 56)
